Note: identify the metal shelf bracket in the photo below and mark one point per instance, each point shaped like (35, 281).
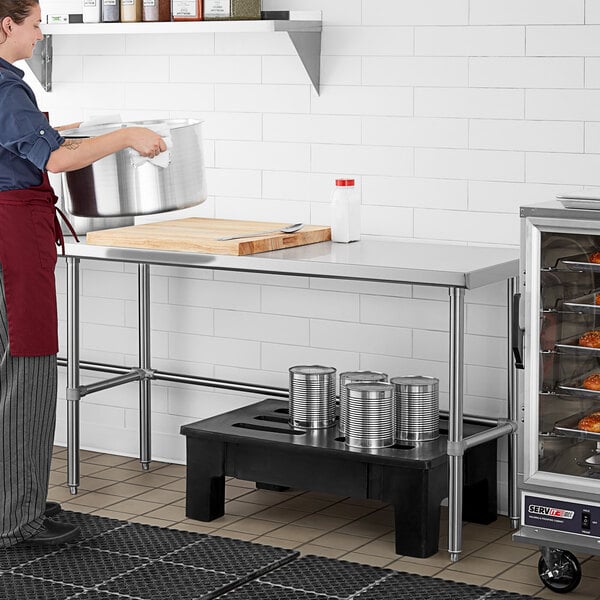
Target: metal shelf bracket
(308, 48)
(41, 62)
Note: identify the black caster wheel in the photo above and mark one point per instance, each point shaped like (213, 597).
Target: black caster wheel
(563, 574)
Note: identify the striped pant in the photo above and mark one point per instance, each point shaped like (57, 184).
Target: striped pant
(27, 419)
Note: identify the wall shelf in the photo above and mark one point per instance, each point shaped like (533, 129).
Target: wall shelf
(304, 33)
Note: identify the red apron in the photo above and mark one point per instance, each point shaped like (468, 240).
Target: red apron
(29, 232)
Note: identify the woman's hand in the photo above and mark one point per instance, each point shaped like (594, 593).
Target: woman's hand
(147, 142)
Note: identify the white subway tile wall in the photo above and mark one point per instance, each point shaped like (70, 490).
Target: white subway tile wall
(450, 114)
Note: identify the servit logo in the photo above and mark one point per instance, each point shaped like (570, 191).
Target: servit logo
(551, 512)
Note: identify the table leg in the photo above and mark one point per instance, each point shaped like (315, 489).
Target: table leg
(513, 415)
(145, 387)
(455, 420)
(72, 392)
(205, 480)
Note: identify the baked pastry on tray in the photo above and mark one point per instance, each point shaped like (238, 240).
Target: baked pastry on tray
(594, 257)
(592, 382)
(590, 339)
(590, 422)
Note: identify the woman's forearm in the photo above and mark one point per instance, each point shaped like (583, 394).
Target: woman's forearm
(77, 153)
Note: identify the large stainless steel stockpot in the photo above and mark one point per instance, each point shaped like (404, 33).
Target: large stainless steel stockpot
(114, 187)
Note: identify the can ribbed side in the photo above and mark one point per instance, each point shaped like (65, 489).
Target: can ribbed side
(417, 408)
(312, 396)
(355, 377)
(371, 415)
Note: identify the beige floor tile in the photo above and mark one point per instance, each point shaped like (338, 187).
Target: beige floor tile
(279, 515)
(85, 454)
(322, 522)
(86, 468)
(308, 505)
(58, 464)
(340, 540)
(367, 502)
(221, 521)
(114, 473)
(296, 533)
(380, 517)
(77, 507)
(380, 548)
(586, 590)
(440, 560)
(122, 488)
(236, 535)
(108, 460)
(95, 499)
(243, 509)
(173, 470)
(59, 493)
(93, 484)
(133, 464)
(515, 587)
(177, 485)
(252, 525)
(196, 526)
(346, 511)
(479, 566)
(147, 520)
(161, 495)
(365, 559)
(181, 502)
(511, 554)
(57, 478)
(271, 541)
(522, 574)
(262, 497)
(487, 533)
(135, 507)
(113, 514)
(170, 512)
(152, 479)
(231, 493)
(321, 551)
(413, 567)
(463, 577)
(365, 529)
(242, 483)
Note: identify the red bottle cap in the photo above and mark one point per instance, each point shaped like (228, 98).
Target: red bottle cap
(344, 182)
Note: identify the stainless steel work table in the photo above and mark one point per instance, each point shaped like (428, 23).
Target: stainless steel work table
(456, 268)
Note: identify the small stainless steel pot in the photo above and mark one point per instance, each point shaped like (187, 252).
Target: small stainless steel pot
(114, 187)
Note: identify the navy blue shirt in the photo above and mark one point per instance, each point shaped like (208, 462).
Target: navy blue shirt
(26, 138)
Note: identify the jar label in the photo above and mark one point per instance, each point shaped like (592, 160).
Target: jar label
(217, 8)
(185, 8)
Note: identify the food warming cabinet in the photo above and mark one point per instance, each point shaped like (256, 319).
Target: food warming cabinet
(559, 474)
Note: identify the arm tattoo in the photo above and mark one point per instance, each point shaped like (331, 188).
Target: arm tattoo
(72, 144)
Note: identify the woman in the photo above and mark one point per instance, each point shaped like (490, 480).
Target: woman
(29, 230)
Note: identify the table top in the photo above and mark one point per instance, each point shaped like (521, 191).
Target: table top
(371, 259)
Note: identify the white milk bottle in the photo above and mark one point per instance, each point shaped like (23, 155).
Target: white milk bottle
(345, 212)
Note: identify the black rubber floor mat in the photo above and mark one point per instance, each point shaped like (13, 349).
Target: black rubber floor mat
(407, 586)
(18, 587)
(232, 556)
(80, 566)
(256, 590)
(145, 541)
(90, 525)
(20, 555)
(334, 578)
(163, 580)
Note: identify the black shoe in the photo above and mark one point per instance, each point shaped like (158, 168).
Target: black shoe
(53, 533)
(52, 508)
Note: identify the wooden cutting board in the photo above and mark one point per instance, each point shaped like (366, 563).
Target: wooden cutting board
(197, 234)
